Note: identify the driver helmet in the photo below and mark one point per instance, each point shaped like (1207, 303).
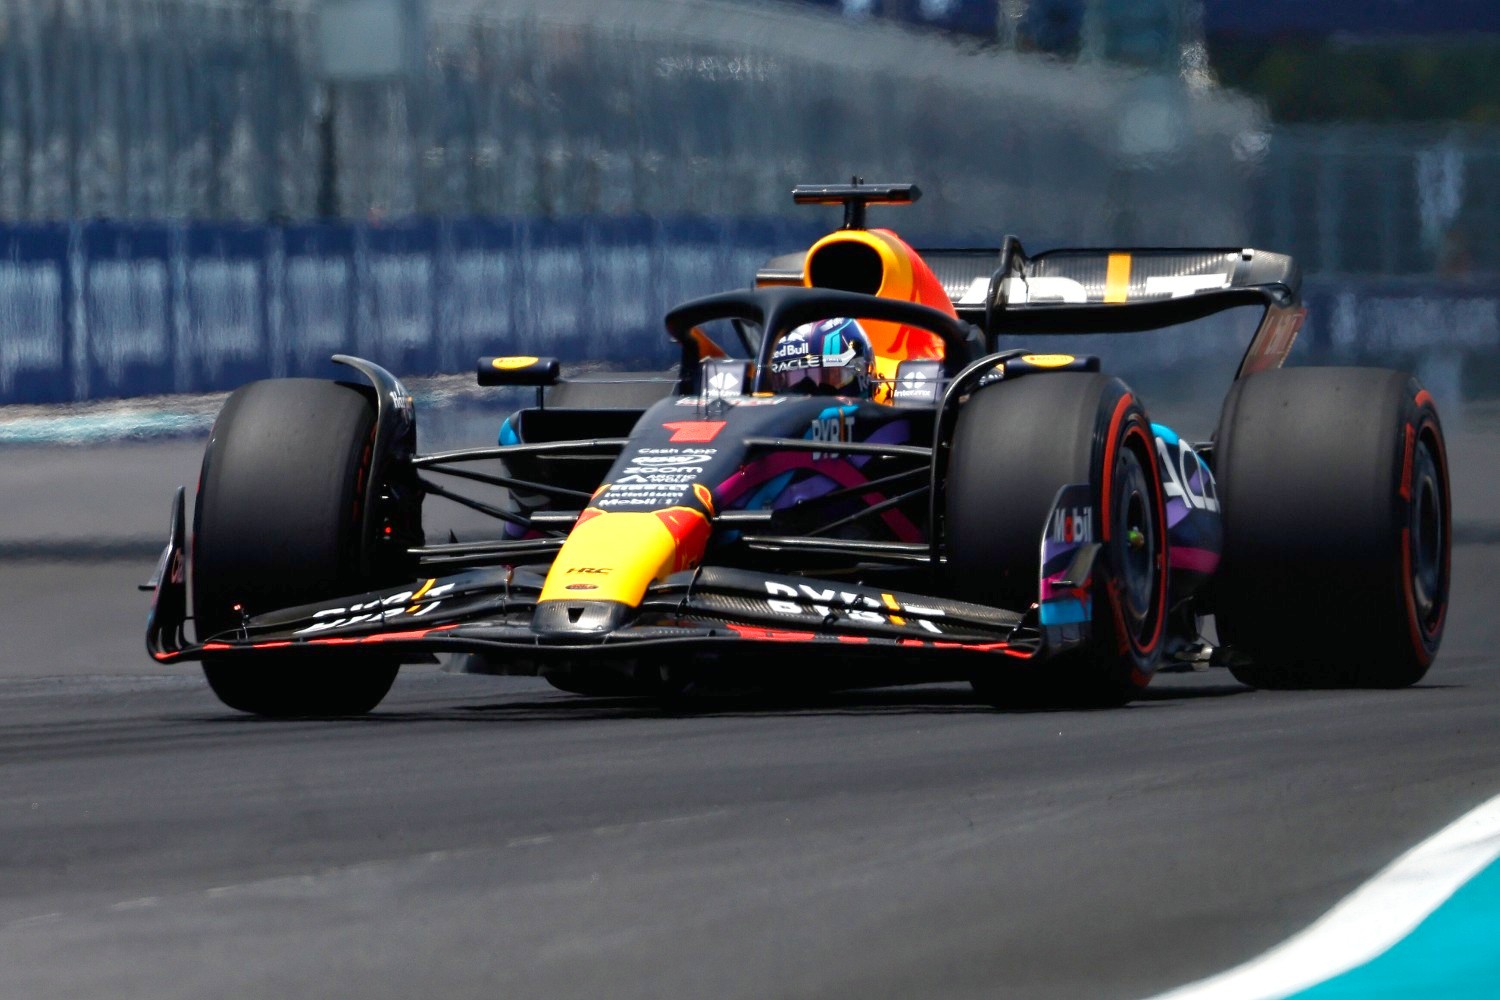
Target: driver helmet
(831, 357)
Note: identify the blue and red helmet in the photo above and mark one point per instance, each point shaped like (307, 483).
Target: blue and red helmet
(831, 357)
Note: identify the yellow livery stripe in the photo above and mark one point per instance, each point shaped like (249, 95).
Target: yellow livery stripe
(890, 603)
(1117, 278)
(611, 557)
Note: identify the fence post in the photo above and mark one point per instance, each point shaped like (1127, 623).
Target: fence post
(77, 325)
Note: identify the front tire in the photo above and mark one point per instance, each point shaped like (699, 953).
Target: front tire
(1334, 486)
(279, 522)
(1016, 444)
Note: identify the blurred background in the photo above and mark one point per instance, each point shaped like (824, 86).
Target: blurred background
(197, 193)
(194, 193)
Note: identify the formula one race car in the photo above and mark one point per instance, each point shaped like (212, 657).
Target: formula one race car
(851, 480)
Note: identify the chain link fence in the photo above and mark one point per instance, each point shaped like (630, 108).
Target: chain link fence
(155, 109)
(1390, 201)
(214, 110)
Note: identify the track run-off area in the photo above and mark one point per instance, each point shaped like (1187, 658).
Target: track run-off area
(482, 837)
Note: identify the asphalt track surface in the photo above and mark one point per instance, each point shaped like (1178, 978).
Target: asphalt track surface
(480, 837)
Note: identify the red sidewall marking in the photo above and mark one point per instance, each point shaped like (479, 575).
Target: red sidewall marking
(1419, 631)
(1109, 459)
(1408, 452)
(1413, 625)
(1148, 462)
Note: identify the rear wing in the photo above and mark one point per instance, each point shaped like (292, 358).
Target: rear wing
(1005, 292)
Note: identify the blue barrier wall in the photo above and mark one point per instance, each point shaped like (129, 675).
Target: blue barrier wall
(100, 309)
(1401, 320)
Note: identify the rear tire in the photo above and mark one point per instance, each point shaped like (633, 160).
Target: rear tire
(1015, 445)
(279, 522)
(1334, 486)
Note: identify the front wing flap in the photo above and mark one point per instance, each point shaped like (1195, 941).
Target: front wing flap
(489, 611)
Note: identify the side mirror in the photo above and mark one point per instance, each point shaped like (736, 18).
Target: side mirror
(723, 377)
(919, 382)
(521, 370)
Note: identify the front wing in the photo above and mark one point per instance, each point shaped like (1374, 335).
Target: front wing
(709, 611)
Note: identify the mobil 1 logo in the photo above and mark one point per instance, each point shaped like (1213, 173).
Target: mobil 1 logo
(1071, 522)
(1072, 525)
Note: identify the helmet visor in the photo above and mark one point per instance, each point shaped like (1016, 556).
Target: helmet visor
(819, 379)
(822, 364)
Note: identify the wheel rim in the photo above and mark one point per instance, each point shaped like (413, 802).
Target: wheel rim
(1135, 542)
(1427, 541)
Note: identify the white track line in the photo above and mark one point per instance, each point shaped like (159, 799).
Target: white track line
(1370, 920)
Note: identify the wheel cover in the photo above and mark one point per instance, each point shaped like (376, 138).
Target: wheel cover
(1427, 542)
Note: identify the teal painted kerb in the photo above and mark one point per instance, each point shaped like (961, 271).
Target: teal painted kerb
(1454, 953)
(91, 428)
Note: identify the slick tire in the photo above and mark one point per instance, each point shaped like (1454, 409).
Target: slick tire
(278, 523)
(1334, 489)
(1015, 445)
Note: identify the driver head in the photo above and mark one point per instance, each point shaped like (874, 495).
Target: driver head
(831, 357)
